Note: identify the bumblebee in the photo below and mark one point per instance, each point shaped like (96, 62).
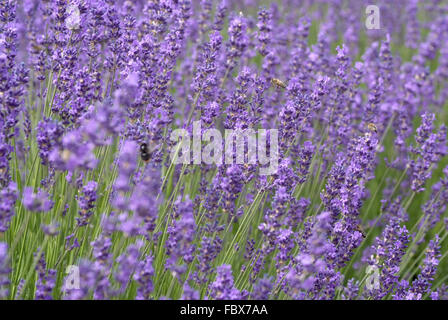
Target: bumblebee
(144, 152)
(361, 230)
(36, 47)
(147, 150)
(372, 127)
(279, 83)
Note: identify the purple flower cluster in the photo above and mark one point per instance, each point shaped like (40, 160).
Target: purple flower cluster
(8, 197)
(223, 286)
(4, 270)
(37, 202)
(86, 202)
(180, 237)
(387, 253)
(46, 280)
(48, 136)
(144, 277)
(93, 91)
(431, 147)
(422, 285)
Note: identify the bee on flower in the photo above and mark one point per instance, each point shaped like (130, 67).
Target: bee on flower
(372, 127)
(279, 83)
(147, 151)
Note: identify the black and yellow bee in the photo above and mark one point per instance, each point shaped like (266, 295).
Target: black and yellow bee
(279, 83)
(36, 47)
(147, 151)
(144, 152)
(372, 127)
(360, 229)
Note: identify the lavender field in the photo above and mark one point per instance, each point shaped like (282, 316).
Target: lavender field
(118, 179)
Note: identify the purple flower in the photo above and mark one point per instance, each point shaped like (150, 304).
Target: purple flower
(314, 274)
(223, 288)
(86, 202)
(8, 197)
(84, 83)
(105, 123)
(48, 136)
(413, 29)
(305, 156)
(262, 289)
(238, 41)
(387, 253)
(144, 277)
(430, 148)
(351, 290)
(75, 153)
(46, 280)
(180, 237)
(4, 270)
(88, 280)
(127, 264)
(220, 15)
(207, 252)
(205, 80)
(5, 156)
(143, 200)
(231, 184)
(422, 285)
(69, 244)
(39, 202)
(102, 267)
(264, 31)
(51, 229)
(189, 293)
(127, 163)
